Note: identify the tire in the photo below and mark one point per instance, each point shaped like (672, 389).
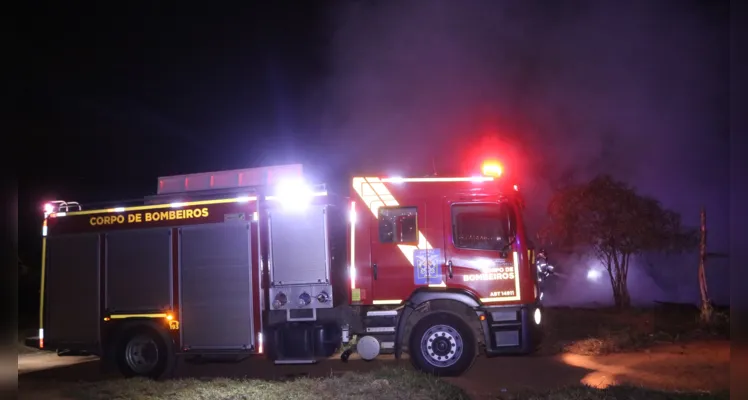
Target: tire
(144, 352)
(442, 344)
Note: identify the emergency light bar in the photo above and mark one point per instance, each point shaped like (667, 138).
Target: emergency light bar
(57, 206)
(492, 168)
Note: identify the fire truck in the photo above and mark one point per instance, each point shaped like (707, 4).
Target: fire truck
(259, 262)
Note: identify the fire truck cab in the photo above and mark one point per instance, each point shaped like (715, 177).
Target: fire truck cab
(257, 262)
(446, 261)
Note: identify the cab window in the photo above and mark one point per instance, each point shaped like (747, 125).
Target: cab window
(398, 225)
(482, 226)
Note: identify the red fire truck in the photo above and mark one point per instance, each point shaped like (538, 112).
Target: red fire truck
(258, 262)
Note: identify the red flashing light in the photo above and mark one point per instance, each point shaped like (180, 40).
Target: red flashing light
(491, 168)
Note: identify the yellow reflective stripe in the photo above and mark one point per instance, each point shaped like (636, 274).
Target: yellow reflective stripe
(456, 179)
(123, 316)
(383, 302)
(157, 206)
(496, 299)
(43, 282)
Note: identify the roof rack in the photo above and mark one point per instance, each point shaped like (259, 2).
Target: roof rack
(202, 186)
(228, 180)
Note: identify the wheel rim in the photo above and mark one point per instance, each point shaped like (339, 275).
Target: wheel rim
(141, 354)
(441, 345)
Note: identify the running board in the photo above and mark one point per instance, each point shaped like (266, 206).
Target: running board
(291, 362)
(381, 313)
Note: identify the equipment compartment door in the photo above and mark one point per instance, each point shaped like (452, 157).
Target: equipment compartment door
(299, 249)
(72, 294)
(216, 281)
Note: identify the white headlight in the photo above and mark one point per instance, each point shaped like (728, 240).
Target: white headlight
(537, 316)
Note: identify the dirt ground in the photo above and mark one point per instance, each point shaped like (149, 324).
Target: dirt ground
(693, 366)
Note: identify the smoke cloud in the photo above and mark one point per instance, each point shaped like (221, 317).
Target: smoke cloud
(637, 89)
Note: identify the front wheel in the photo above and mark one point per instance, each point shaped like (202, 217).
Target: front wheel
(145, 353)
(442, 344)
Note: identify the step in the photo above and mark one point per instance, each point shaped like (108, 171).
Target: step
(295, 362)
(383, 313)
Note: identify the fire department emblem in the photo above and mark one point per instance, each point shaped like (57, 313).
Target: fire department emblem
(427, 263)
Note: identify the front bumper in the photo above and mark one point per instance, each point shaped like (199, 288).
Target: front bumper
(511, 329)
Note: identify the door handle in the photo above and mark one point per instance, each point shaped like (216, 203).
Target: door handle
(449, 269)
(374, 270)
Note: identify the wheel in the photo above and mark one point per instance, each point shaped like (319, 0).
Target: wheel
(144, 352)
(442, 344)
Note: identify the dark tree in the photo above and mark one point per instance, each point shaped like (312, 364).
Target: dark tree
(608, 218)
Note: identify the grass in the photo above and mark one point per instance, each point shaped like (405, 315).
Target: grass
(388, 384)
(604, 330)
(582, 392)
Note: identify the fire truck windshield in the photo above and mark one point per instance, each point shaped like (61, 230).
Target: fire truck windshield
(483, 226)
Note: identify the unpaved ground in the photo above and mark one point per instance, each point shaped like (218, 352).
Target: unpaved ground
(694, 366)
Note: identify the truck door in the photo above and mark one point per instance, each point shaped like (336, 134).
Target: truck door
(395, 236)
(478, 251)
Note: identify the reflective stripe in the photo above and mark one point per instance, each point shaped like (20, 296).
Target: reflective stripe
(383, 302)
(123, 316)
(352, 264)
(242, 199)
(459, 179)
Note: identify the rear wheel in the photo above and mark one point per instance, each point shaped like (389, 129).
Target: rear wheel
(442, 344)
(144, 352)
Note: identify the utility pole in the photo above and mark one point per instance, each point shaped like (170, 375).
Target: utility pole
(706, 303)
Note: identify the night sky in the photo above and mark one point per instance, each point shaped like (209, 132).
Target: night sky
(120, 96)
